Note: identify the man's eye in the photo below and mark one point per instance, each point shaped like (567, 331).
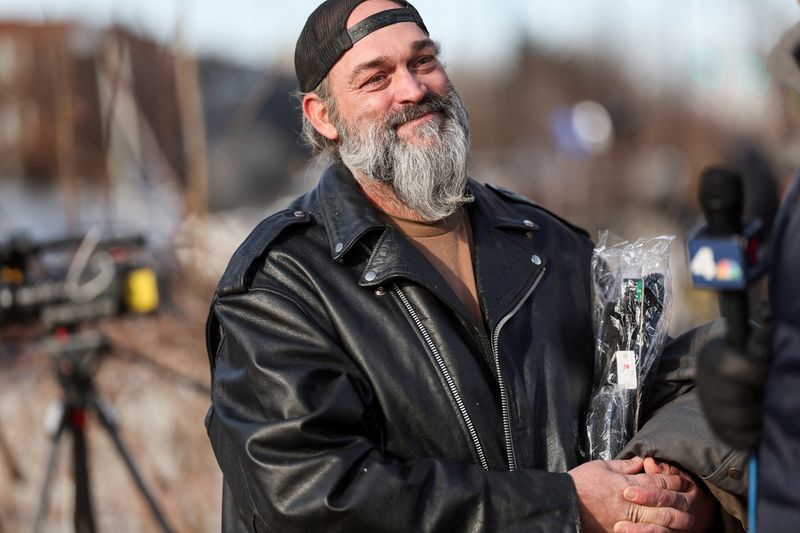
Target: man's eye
(425, 60)
(376, 79)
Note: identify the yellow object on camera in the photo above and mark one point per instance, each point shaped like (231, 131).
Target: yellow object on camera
(141, 291)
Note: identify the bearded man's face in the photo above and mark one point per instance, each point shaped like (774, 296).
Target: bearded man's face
(391, 115)
(421, 149)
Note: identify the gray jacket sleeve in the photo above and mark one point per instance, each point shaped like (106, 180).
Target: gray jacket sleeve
(676, 430)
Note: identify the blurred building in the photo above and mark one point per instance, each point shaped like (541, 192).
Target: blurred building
(112, 111)
(60, 85)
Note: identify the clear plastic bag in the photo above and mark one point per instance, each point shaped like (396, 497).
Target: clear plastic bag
(632, 300)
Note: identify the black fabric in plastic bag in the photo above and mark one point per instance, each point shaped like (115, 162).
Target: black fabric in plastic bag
(632, 300)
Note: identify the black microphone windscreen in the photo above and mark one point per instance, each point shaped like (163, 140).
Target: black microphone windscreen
(721, 195)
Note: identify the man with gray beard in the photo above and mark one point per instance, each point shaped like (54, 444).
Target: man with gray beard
(429, 178)
(404, 348)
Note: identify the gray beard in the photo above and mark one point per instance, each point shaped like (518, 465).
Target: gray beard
(429, 176)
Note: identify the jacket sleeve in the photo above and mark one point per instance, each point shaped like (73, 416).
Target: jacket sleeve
(676, 430)
(295, 429)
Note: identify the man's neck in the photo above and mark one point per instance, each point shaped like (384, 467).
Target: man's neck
(382, 196)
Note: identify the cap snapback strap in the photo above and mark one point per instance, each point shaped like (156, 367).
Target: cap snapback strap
(377, 21)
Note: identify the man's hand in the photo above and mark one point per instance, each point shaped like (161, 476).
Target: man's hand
(658, 497)
(694, 501)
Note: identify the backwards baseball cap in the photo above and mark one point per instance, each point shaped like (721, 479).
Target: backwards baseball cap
(325, 37)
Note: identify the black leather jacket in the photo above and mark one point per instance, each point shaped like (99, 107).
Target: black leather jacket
(353, 392)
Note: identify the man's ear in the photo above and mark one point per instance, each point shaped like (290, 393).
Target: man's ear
(317, 112)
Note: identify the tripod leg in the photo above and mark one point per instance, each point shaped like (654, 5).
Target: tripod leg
(107, 421)
(84, 518)
(51, 469)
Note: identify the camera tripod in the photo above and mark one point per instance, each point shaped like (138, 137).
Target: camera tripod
(75, 361)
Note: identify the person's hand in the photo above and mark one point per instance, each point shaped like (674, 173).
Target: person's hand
(694, 501)
(600, 486)
(731, 384)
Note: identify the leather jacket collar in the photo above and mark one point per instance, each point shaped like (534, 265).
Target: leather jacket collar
(507, 256)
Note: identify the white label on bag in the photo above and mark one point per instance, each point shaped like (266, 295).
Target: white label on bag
(626, 369)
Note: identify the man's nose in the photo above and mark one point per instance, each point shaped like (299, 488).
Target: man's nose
(411, 89)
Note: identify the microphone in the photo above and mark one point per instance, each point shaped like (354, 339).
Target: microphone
(722, 200)
(728, 253)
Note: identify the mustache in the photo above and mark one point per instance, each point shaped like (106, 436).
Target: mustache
(430, 103)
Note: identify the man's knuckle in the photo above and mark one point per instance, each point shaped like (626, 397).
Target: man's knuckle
(628, 514)
(684, 503)
(633, 513)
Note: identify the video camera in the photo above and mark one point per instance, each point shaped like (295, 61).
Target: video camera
(64, 285)
(69, 281)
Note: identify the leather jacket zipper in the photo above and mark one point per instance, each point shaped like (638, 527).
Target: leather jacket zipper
(448, 378)
(512, 461)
